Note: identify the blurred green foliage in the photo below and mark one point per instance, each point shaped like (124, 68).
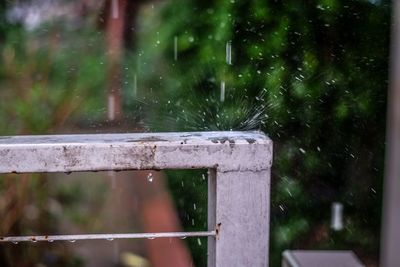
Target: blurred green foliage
(311, 74)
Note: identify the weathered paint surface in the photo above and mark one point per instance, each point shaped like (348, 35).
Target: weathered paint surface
(225, 151)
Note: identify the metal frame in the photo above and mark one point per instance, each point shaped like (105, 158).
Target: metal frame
(239, 179)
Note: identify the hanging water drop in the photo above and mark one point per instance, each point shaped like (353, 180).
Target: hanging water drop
(199, 241)
(72, 241)
(110, 239)
(150, 177)
(15, 242)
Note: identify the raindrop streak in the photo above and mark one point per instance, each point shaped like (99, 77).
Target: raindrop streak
(111, 108)
(176, 48)
(222, 96)
(228, 50)
(134, 84)
(116, 253)
(183, 237)
(112, 176)
(337, 216)
(150, 177)
(114, 9)
(199, 241)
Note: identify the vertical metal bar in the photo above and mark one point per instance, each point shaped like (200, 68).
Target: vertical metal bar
(390, 242)
(211, 210)
(242, 216)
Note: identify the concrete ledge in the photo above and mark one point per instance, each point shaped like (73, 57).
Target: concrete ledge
(225, 151)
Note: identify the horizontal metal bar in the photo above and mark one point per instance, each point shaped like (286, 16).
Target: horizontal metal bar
(110, 237)
(225, 151)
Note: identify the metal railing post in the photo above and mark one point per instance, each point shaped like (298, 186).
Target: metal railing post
(242, 216)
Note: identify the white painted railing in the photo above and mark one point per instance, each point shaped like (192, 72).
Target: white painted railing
(238, 187)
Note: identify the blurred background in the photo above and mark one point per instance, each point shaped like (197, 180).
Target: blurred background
(313, 75)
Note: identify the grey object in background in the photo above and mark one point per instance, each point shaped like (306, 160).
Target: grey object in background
(320, 258)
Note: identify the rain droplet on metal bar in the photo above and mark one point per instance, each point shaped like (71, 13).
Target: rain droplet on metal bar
(150, 177)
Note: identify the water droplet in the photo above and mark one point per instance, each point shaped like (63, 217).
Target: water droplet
(110, 239)
(72, 241)
(183, 237)
(222, 96)
(302, 150)
(15, 242)
(194, 206)
(151, 238)
(50, 240)
(114, 9)
(150, 177)
(199, 241)
(228, 51)
(134, 84)
(176, 48)
(203, 176)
